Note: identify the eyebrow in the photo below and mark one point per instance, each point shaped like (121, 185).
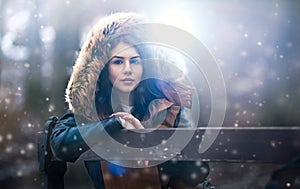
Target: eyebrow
(121, 57)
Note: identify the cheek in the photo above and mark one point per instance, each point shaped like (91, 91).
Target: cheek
(112, 74)
(139, 71)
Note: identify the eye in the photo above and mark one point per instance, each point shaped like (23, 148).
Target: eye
(117, 61)
(135, 61)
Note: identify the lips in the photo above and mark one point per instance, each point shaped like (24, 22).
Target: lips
(127, 80)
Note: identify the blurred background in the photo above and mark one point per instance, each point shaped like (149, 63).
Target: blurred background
(256, 45)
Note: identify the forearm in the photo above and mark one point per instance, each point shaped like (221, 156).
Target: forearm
(68, 140)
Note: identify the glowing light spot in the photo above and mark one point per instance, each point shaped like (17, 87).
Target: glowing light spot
(273, 144)
(198, 163)
(22, 152)
(244, 53)
(30, 146)
(7, 100)
(234, 152)
(9, 136)
(259, 43)
(47, 34)
(178, 17)
(8, 149)
(193, 176)
(74, 137)
(51, 107)
(19, 173)
(164, 177)
(26, 65)
(64, 149)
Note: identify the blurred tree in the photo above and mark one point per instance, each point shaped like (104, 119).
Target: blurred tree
(1, 34)
(66, 22)
(34, 92)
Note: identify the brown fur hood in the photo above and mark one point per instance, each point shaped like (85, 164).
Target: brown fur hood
(94, 54)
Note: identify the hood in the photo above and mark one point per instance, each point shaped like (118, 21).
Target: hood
(80, 92)
(94, 54)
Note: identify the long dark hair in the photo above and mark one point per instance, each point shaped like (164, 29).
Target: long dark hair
(146, 91)
(103, 94)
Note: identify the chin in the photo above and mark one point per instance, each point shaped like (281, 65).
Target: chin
(126, 89)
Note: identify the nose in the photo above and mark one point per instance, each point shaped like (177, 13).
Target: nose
(127, 67)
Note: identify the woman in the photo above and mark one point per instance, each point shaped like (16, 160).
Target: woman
(117, 82)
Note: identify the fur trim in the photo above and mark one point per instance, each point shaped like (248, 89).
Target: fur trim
(94, 54)
(80, 92)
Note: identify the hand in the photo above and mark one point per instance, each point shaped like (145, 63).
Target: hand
(128, 121)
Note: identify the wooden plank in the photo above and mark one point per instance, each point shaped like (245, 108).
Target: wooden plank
(232, 144)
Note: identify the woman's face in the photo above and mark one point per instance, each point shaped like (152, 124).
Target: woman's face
(125, 68)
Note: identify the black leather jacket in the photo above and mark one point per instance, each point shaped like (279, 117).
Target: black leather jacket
(67, 143)
(67, 137)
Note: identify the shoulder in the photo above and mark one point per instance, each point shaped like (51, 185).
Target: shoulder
(70, 119)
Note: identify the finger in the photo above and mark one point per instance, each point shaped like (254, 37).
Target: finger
(125, 124)
(146, 163)
(119, 114)
(140, 126)
(134, 121)
(143, 163)
(128, 118)
(129, 126)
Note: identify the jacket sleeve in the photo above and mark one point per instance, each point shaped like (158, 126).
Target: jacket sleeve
(67, 138)
(183, 119)
(173, 117)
